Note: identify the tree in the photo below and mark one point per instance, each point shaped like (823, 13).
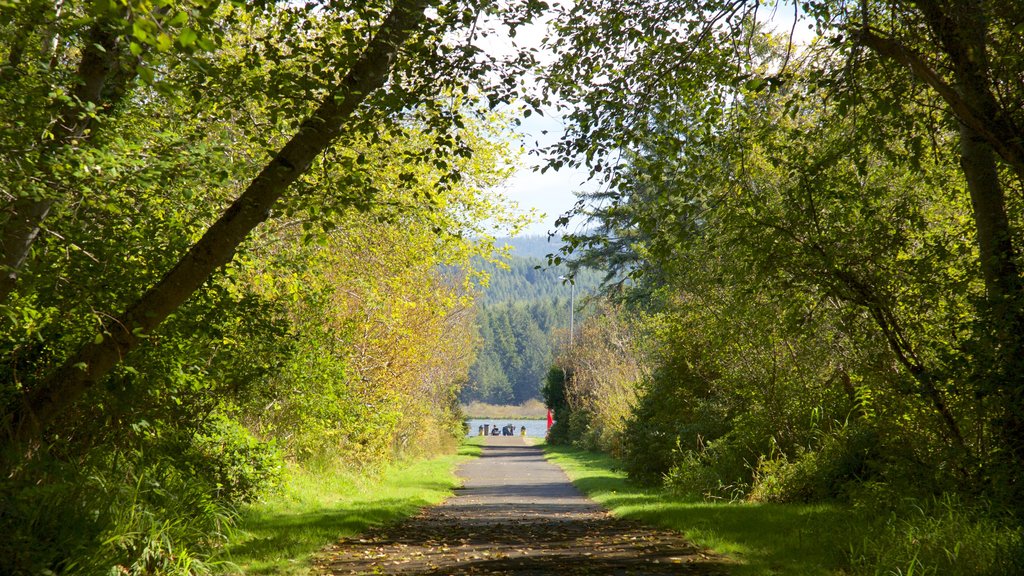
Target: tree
(277, 341)
(606, 370)
(349, 106)
(662, 80)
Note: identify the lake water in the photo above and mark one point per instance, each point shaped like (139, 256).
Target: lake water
(534, 428)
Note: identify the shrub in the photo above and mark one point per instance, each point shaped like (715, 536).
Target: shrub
(668, 421)
(554, 398)
(239, 466)
(844, 459)
(698, 475)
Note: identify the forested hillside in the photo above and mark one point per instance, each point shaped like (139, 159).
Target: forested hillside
(531, 246)
(523, 315)
(525, 279)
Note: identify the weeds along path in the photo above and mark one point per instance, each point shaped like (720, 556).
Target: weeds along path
(517, 514)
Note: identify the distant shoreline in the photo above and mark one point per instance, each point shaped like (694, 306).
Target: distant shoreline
(529, 410)
(505, 418)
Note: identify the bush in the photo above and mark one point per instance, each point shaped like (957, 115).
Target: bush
(554, 399)
(693, 476)
(667, 422)
(239, 466)
(717, 471)
(845, 459)
(583, 434)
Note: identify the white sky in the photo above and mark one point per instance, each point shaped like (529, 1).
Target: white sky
(553, 193)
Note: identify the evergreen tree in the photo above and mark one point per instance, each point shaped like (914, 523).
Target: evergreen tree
(523, 315)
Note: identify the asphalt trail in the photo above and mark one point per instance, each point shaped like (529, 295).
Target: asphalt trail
(517, 514)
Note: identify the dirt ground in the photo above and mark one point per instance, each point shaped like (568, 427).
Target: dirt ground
(516, 514)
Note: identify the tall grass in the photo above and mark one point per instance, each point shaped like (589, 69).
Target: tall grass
(122, 515)
(319, 505)
(940, 537)
(944, 537)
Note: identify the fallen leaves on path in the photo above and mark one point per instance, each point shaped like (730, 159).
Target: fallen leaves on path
(437, 542)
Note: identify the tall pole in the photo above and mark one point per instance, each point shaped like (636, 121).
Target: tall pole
(572, 306)
(572, 310)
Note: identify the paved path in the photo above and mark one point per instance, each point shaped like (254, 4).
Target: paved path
(517, 514)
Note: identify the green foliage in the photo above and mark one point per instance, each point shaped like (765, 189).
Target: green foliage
(814, 272)
(343, 327)
(131, 512)
(760, 538)
(812, 244)
(703, 475)
(554, 398)
(524, 313)
(530, 279)
(241, 467)
(845, 458)
(669, 419)
(517, 348)
(530, 246)
(942, 535)
(605, 375)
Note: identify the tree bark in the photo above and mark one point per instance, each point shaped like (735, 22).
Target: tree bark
(965, 35)
(217, 246)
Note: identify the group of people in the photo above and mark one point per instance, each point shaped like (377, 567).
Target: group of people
(493, 430)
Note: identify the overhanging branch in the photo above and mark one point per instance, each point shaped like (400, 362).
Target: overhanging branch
(92, 361)
(1001, 136)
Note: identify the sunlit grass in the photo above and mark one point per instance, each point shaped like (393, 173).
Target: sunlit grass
(762, 539)
(281, 535)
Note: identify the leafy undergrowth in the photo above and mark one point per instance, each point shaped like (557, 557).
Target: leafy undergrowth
(938, 538)
(762, 538)
(280, 535)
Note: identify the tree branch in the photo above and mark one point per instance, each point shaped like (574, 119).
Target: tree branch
(1003, 138)
(217, 246)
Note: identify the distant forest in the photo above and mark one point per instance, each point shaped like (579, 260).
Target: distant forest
(524, 311)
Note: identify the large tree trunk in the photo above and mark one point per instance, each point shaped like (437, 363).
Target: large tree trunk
(45, 403)
(962, 32)
(987, 133)
(1004, 381)
(998, 256)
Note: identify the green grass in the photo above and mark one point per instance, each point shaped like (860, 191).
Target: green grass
(280, 535)
(762, 539)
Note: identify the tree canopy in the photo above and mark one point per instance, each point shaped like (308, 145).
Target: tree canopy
(860, 181)
(224, 227)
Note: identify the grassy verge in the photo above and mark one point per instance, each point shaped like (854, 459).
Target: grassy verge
(762, 538)
(280, 536)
